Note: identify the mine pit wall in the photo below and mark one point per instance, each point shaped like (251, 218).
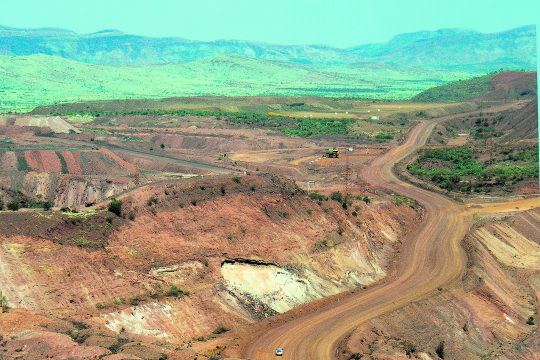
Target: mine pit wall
(66, 190)
(210, 249)
(281, 289)
(270, 281)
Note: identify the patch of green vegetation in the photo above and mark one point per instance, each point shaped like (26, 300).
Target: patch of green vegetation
(486, 132)
(135, 300)
(63, 162)
(316, 196)
(220, 330)
(174, 291)
(22, 165)
(21, 200)
(321, 244)
(3, 303)
(13, 205)
(413, 204)
(460, 90)
(94, 131)
(115, 206)
(383, 136)
(291, 126)
(312, 126)
(458, 168)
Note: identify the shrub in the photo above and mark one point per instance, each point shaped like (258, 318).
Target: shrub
(13, 205)
(317, 196)
(47, 205)
(410, 349)
(115, 206)
(337, 196)
(221, 329)
(174, 291)
(530, 321)
(3, 303)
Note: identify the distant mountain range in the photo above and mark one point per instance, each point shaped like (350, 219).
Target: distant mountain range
(457, 49)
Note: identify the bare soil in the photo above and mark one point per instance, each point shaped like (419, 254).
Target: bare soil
(240, 248)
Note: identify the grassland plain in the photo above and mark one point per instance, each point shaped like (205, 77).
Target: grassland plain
(30, 81)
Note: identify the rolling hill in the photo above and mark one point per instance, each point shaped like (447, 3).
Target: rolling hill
(30, 81)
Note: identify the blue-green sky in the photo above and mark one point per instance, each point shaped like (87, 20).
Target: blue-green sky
(339, 23)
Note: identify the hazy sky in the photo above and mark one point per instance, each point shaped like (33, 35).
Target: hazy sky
(339, 23)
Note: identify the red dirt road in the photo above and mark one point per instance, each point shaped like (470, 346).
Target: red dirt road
(430, 257)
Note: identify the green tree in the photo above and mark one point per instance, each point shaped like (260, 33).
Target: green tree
(13, 205)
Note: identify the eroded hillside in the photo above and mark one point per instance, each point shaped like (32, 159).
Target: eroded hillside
(189, 258)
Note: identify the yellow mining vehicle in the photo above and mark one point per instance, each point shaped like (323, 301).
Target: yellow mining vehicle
(331, 153)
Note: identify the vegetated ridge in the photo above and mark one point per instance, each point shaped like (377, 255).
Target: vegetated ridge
(448, 48)
(495, 86)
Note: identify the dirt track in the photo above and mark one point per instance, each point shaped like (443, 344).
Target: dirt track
(430, 257)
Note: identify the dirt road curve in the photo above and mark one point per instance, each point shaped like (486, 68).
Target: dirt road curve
(430, 257)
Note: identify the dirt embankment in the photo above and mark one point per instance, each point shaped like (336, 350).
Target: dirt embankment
(243, 247)
(485, 315)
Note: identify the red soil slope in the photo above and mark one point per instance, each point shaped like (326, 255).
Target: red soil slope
(511, 84)
(43, 161)
(73, 161)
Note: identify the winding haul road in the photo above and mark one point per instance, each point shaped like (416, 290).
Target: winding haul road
(430, 257)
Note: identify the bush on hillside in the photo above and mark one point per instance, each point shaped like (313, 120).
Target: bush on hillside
(115, 206)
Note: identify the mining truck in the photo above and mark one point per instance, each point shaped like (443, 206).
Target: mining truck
(331, 153)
